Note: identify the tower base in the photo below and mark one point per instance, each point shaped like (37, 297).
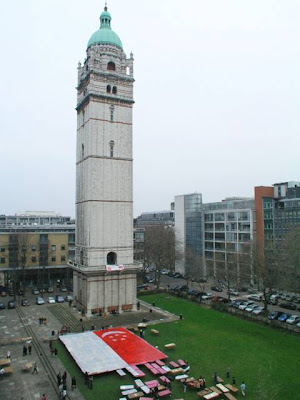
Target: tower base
(98, 290)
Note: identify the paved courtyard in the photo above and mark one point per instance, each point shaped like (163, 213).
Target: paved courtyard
(17, 325)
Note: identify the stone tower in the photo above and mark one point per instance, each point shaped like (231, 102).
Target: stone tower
(104, 274)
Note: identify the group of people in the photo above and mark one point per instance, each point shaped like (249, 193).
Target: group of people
(27, 349)
(42, 321)
(62, 384)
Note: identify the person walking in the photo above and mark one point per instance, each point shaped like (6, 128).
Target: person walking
(74, 383)
(64, 394)
(64, 379)
(35, 368)
(58, 379)
(243, 388)
(8, 354)
(86, 378)
(29, 349)
(24, 351)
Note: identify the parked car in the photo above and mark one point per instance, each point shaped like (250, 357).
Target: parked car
(25, 302)
(3, 293)
(233, 292)
(251, 307)
(289, 306)
(11, 292)
(283, 317)
(142, 286)
(275, 315)
(35, 291)
(59, 299)
(51, 300)
(245, 304)
(164, 272)
(40, 301)
(294, 319)
(216, 289)
(258, 310)
(207, 296)
(2, 306)
(69, 298)
(63, 289)
(255, 297)
(11, 304)
(178, 275)
(235, 303)
(50, 290)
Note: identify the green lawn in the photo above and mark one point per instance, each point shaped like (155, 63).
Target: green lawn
(266, 359)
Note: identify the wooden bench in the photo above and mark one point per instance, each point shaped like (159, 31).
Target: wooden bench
(155, 332)
(170, 346)
(229, 396)
(174, 364)
(223, 388)
(232, 388)
(182, 363)
(120, 372)
(163, 393)
(204, 392)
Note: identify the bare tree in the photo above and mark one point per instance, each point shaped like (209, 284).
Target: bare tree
(194, 266)
(25, 244)
(161, 248)
(290, 260)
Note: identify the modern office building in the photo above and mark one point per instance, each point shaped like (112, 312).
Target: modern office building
(104, 273)
(212, 234)
(34, 218)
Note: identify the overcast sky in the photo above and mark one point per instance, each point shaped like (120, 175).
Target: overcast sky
(217, 97)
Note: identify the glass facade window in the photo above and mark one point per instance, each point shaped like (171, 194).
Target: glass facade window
(219, 217)
(232, 216)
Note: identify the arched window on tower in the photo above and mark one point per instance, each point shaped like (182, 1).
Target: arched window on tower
(114, 89)
(111, 148)
(108, 88)
(111, 258)
(111, 66)
(111, 109)
(82, 151)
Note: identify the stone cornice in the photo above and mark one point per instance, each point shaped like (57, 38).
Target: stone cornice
(114, 98)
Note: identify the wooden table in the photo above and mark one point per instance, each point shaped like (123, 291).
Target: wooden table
(135, 395)
(211, 395)
(27, 367)
(214, 389)
(4, 362)
(232, 388)
(223, 388)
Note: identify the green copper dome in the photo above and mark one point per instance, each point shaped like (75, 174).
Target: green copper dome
(104, 35)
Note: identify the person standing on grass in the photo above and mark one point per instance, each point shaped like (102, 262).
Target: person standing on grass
(233, 380)
(91, 379)
(55, 352)
(86, 378)
(184, 384)
(228, 373)
(243, 389)
(215, 378)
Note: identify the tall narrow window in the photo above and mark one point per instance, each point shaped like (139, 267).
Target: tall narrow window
(111, 109)
(114, 90)
(82, 151)
(111, 148)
